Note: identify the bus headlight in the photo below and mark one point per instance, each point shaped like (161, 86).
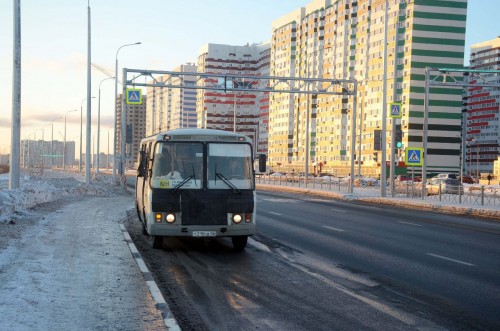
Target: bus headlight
(236, 218)
(170, 218)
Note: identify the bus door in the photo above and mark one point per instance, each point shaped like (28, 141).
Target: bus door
(143, 174)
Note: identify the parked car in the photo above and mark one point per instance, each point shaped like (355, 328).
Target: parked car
(467, 179)
(403, 178)
(446, 175)
(406, 178)
(277, 174)
(446, 185)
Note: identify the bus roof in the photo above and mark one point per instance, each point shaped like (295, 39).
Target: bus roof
(195, 134)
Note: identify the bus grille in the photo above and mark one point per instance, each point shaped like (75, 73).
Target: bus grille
(204, 207)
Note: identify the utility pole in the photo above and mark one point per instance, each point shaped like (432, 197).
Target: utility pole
(383, 175)
(16, 101)
(89, 102)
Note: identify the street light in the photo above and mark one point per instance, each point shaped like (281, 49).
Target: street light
(306, 175)
(116, 108)
(64, 151)
(81, 134)
(383, 175)
(99, 122)
(42, 150)
(52, 141)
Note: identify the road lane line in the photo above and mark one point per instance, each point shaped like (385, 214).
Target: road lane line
(334, 229)
(341, 211)
(450, 259)
(272, 212)
(409, 223)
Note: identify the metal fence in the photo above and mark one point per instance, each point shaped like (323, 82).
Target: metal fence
(472, 195)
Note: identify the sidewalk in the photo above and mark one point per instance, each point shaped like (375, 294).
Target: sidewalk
(73, 270)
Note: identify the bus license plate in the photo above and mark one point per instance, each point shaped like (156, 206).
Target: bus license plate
(204, 233)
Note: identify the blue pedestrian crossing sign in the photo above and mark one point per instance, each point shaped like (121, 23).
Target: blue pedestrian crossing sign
(134, 96)
(395, 110)
(414, 156)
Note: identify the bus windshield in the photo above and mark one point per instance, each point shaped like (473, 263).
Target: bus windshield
(178, 165)
(229, 166)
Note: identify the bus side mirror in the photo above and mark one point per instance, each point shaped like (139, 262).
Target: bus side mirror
(262, 163)
(141, 171)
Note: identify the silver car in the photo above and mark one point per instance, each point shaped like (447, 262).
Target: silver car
(446, 185)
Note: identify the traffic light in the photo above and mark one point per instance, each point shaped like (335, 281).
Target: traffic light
(399, 139)
(128, 134)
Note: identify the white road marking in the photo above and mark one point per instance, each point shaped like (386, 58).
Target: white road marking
(318, 200)
(282, 200)
(409, 223)
(340, 211)
(272, 212)
(334, 229)
(450, 259)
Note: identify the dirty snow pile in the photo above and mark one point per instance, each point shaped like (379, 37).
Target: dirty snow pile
(51, 186)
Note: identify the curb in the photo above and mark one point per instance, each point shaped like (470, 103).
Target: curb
(168, 318)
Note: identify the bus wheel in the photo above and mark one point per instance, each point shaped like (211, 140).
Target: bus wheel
(239, 242)
(156, 241)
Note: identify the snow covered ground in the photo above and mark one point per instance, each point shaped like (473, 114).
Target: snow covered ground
(66, 265)
(49, 187)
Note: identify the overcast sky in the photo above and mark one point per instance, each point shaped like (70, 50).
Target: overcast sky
(54, 48)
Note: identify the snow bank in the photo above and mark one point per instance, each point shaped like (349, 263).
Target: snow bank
(51, 186)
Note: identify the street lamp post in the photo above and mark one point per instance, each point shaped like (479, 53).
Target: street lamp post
(477, 161)
(383, 175)
(99, 123)
(52, 141)
(42, 149)
(64, 147)
(81, 134)
(306, 169)
(116, 108)
(361, 127)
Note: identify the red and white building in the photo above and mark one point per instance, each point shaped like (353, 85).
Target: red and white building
(244, 112)
(482, 118)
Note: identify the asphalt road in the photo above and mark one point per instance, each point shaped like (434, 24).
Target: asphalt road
(454, 261)
(322, 264)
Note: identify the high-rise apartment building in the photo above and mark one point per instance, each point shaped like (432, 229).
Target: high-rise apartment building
(172, 108)
(135, 120)
(264, 66)
(345, 39)
(232, 111)
(482, 117)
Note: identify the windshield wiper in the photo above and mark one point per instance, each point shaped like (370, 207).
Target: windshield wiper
(227, 182)
(178, 186)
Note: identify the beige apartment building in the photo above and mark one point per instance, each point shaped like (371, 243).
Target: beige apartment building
(345, 39)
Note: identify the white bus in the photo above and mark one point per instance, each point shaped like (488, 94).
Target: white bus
(197, 183)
